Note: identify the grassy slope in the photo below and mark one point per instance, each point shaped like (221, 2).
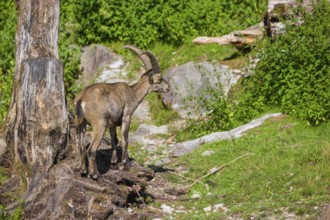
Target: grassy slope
(288, 172)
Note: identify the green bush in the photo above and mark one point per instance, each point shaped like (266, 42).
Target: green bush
(143, 22)
(7, 53)
(294, 71)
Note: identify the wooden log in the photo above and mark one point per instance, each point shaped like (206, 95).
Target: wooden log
(239, 39)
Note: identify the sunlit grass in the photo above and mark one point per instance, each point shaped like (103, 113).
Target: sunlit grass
(288, 169)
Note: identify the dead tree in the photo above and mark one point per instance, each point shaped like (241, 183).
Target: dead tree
(36, 128)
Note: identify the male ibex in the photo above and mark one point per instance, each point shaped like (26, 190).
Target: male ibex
(109, 105)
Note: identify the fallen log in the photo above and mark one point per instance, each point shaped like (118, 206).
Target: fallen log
(240, 39)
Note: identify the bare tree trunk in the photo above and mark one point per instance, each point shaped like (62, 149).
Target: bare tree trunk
(37, 124)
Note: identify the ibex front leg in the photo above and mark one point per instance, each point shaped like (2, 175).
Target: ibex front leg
(125, 164)
(98, 132)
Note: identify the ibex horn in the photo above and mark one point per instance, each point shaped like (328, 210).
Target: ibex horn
(154, 62)
(146, 60)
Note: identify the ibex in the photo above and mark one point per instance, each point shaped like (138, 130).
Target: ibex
(108, 105)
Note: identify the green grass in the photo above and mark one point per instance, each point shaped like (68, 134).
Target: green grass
(288, 170)
(160, 114)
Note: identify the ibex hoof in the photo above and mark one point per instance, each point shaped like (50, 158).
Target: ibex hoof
(83, 172)
(94, 176)
(114, 166)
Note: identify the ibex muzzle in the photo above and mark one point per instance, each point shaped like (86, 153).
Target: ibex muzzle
(108, 105)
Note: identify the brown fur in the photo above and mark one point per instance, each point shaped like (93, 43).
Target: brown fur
(107, 105)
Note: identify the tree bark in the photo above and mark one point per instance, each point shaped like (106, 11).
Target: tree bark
(37, 123)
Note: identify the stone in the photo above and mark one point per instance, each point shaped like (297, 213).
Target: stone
(193, 80)
(144, 130)
(187, 147)
(167, 209)
(207, 153)
(98, 63)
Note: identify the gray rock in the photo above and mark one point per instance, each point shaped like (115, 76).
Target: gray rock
(207, 153)
(98, 60)
(144, 130)
(187, 147)
(142, 112)
(162, 161)
(193, 80)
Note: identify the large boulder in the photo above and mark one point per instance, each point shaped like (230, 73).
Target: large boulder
(100, 64)
(192, 80)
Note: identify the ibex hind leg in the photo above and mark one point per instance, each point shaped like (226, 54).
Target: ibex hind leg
(114, 144)
(98, 132)
(81, 130)
(125, 164)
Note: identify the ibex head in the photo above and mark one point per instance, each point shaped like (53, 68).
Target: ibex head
(156, 81)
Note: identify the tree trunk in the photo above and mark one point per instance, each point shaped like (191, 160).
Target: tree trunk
(37, 124)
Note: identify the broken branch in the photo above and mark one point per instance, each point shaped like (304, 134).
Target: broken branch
(218, 169)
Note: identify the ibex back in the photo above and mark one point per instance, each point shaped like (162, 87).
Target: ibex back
(108, 105)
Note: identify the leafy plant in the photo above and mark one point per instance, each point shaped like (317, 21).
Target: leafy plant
(7, 43)
(294, 71)
(143, 22)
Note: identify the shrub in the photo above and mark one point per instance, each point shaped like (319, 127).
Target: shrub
(294, 71)
(7, 60)
(143, 22)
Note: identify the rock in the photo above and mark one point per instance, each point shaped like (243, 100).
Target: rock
(196, 195)
(220, 208)
(207, 209)
(193, 80)
(144, 130)
(162, 161)
(98, 59)
(187, 147)
(207, 153)
(142, 112)
(167, 209)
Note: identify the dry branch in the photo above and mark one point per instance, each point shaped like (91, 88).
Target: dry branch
(218, 169)
(187, 178)
(239, 39)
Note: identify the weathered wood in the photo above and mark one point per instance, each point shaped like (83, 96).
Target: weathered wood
(37, 123)
(239, 39)
(277, 10)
